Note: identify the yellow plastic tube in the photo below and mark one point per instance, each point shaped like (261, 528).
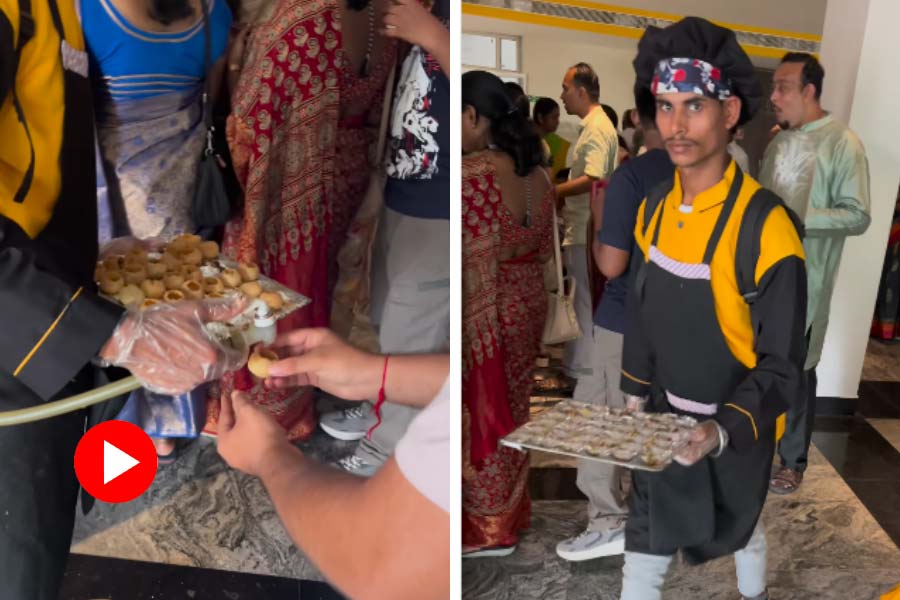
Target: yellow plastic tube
(70, 404)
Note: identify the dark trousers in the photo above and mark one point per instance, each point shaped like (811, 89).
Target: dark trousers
(38, 490)
(794, 446)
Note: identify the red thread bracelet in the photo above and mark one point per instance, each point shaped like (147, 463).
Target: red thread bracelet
(380, 398)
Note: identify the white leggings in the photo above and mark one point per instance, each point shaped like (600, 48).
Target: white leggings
(644, 574)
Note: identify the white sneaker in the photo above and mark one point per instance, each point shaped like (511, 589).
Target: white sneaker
(356, 466)
(593, 544)
(350, 424)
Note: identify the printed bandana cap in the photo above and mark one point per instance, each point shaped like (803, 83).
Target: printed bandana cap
(691, 75)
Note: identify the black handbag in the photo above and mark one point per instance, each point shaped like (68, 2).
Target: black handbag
(211, 205)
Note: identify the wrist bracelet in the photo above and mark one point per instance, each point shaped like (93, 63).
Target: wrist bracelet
(380, 400)
(723, 440)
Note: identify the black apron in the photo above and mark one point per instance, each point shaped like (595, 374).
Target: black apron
(38, 488)
(707, 510)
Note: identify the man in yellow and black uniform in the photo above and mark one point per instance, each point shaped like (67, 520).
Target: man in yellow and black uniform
(52, 322)
(706, 335)
(51, 319)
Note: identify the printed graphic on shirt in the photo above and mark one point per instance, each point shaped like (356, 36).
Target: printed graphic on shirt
(793, 169)
(414, 128)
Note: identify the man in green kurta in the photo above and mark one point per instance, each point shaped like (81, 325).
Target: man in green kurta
(819, 167)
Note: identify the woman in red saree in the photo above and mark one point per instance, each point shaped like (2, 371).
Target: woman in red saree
(313, 76)
(507, 218)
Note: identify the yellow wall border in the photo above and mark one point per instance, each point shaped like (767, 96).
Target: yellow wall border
(506, 14)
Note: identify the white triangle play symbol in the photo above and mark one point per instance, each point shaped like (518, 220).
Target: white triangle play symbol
(115, 462)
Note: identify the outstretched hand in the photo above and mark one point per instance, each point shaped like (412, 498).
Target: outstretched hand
(321, 358)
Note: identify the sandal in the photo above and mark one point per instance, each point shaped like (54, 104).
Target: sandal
(785, 481)
(167, 459)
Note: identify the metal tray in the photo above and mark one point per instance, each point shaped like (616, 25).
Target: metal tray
(596, 430)
(292, 299)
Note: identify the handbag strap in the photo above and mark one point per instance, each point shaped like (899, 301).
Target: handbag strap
(385, 114)
(557, 256)
(207, 70)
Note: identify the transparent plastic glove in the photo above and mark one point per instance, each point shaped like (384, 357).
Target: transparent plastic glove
(703, 439)
(168, 349)
(635, 404)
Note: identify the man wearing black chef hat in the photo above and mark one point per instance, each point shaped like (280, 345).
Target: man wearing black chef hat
(715, 320)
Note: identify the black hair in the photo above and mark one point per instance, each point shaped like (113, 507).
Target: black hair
(542, 108)
(626, 119)
(167, 12)
(518, 97)
(623, 144)
(612, 114)
(357, 5)
(586, 78)
(510, 131)
(812, 69)
(645, 105)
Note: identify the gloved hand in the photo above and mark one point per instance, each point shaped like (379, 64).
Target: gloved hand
(167, 347)
(704, 438)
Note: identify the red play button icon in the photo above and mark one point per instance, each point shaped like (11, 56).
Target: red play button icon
(115, 461)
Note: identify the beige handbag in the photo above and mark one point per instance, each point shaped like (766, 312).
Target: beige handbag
(561, 324)
(352, 294)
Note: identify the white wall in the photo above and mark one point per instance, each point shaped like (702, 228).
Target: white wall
(548, 51)
(804, 16)
(871, 117)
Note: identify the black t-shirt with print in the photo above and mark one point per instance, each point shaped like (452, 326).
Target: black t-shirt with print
(418, 161)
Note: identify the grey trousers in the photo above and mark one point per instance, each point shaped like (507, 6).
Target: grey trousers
(410, 308)
(644, 574)
(578, 352)
(801, 415)
(601, 482)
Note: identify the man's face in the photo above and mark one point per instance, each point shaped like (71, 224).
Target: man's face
(695, 128)
(789, 97)
(571, 94)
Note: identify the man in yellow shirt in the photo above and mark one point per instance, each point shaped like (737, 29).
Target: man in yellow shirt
(52, 320)
(594, 158)
(715, 317)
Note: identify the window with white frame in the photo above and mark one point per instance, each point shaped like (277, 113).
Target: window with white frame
(498, 54)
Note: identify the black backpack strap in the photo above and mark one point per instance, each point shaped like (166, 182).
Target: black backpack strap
(747, 251)
(746, 254)
(26, 32)
(654, 197)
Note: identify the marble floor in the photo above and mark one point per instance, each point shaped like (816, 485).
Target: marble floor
(882, 361)
(823, 544)
(837, 538)
(199, 514)
(889, 430)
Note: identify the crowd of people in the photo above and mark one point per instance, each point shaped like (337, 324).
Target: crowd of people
(110, 111)
(715, 300)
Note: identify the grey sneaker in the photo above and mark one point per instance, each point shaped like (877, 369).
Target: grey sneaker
(593, 544)
(490, 552)
(350, 424)
(356, 466)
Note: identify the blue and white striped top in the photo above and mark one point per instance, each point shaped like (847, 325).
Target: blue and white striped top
(131, 63)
